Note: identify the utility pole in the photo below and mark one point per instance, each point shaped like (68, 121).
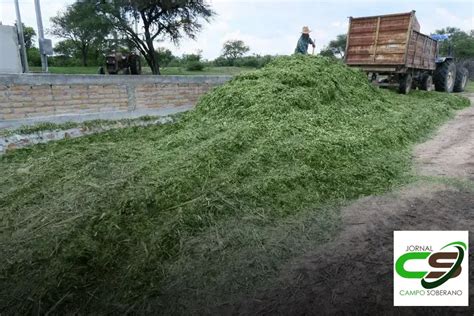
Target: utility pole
(39, 20)
(19, 27)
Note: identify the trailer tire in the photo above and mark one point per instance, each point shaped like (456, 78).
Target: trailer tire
(426, 82)
(461, 80)
(444, 77)
(406, 82)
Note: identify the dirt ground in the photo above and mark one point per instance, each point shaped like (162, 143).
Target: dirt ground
(451, 152)
(353, 274)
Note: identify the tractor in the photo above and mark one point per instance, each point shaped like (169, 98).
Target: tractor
(448, 76)
(117, 63)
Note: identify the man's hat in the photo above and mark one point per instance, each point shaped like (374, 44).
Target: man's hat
(306, 30)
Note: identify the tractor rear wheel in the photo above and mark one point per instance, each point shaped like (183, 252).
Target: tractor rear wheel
(426, 82)
(135, 65)
(445, 76)
(461, 80)
(406, 82)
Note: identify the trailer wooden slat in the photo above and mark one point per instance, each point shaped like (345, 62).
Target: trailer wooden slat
(389, 40)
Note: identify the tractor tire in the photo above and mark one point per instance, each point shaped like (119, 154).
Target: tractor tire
(135, 65)
(426, 82)
(406, 82)
(461, 80)
(445, 76)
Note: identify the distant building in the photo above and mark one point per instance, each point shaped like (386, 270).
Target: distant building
(10, 61)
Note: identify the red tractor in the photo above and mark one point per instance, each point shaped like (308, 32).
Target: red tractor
(116, 64)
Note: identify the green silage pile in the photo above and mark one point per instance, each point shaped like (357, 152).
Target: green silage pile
(112, 221)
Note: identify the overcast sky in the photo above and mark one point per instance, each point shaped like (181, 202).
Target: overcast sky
(273, 26)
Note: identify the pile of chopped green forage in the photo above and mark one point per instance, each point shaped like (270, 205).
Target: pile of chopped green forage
(101, 222)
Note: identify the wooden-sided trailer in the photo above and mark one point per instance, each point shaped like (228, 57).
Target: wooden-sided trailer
(393, 52)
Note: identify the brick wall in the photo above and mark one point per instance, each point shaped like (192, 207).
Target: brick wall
(32, 98)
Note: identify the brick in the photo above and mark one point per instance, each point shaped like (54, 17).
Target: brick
(5, 110)
(19, 98)
(21, 104)
(80, 97)
(24, 110)
(64, 111)
(108, 109)
(13, 116)
(16, 88)
(61, 97)
(60, 88)
(48, 107)
(43, 98)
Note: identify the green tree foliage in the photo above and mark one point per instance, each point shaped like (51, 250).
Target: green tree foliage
(193, 62)
(335, 48)
(254, 61)
(29, 35)
(164, 55)
(33, 56)
(234, 49)
(66, 48)
(462, 43)
(159, 20)
(66, 54)
(32, 52)
(82, 26)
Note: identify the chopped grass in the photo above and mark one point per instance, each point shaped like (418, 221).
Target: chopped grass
(48, 126)
(180, 218)
(39, 127)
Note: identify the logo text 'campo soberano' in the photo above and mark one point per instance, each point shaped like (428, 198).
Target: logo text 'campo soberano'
(431, 268)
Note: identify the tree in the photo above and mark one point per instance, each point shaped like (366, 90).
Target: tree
(461, 42)
(234, 49)
(81, 24)
(29, 35)
(336, 47)
(164, 55)
(66, 48)
(33, 55)
(160, 20)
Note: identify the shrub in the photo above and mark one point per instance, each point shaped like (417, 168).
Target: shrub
(194, 66)
(34, 58)
(193, 62)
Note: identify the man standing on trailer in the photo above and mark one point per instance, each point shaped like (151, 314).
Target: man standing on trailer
(304, 41)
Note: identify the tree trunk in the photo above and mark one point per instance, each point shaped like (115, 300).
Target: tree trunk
(84, 52)
(151, 56)
(151, 60)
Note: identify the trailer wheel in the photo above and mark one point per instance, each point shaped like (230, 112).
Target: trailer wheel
(461, 80)
(406, 82)
(426, 82)
(445, 76)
